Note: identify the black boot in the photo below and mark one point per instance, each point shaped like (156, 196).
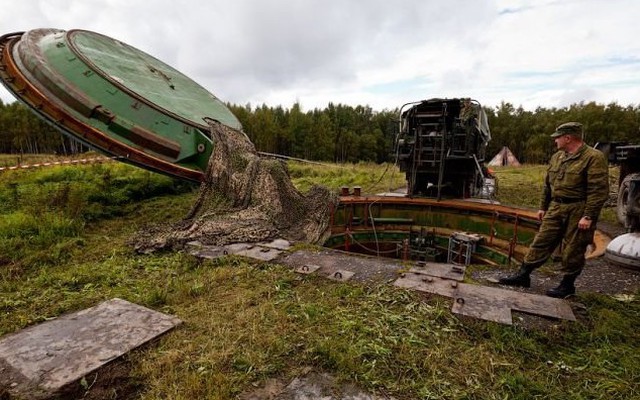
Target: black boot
(521, 278)
(565, 288)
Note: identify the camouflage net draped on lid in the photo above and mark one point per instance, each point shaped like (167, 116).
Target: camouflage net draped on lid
(245, 198)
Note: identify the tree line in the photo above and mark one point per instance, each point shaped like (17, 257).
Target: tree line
(22, 132)
(344, 133)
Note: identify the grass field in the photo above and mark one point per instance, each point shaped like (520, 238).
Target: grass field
(63, 247)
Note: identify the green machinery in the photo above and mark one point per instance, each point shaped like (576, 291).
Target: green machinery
(114, 98)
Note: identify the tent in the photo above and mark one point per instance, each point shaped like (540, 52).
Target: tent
(504, 158)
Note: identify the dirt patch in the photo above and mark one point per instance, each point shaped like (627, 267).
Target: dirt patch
(112, 381)
(310, 386)
(244, 198)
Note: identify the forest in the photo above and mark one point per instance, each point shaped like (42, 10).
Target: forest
(344, 133)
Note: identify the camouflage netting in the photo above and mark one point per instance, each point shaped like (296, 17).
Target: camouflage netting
(245, 198)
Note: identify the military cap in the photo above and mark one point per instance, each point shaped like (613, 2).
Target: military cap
(568, 128)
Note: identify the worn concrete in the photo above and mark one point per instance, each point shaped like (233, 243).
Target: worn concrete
(488, 303)
(39, 360)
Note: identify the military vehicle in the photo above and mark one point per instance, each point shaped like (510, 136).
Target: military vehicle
(441, 147)
(625, 249)
(627, 157)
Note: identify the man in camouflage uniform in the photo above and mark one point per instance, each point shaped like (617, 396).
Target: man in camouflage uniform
(468, 111)
(469, 119)
(576, 186)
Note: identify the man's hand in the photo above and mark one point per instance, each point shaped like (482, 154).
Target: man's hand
(541, 214)
(584, 223)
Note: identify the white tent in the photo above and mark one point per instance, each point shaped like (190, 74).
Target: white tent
(504, 158)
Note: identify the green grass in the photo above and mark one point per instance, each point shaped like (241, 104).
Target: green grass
(44, 212)
(513, 182)
(64, 235)
(522, 186)
(372, 178)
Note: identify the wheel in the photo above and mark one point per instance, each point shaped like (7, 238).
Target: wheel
(623, 198)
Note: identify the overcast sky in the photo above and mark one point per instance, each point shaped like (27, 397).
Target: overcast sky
(378, 52)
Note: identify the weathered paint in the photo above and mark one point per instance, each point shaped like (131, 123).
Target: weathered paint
(506, 231)
(114, 98)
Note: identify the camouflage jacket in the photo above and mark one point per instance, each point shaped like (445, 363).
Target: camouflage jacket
(583, 175)
(468, 112)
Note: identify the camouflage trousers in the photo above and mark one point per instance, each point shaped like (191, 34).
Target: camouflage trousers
(560, 225)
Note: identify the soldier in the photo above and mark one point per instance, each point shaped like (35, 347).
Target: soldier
(468, 117)
(468, 111)
(576, 186)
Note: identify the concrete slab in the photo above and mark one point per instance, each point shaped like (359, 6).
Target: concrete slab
(427, 284)
(307, 269)
(41, 359)
(341, 275)
(488, 303)
(258, 251)
(486, 309)
(367, 268)
(482, 301)
(448, 271)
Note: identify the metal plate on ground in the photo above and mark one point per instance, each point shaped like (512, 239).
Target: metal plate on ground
(487, 309)
(307, 269)
(341, 275)
(479, 299)
(428, 284)
(488, 303)
(448, 271)
(261, 252)
(41, 359)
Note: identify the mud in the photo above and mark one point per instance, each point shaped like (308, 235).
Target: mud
(113, 381)
(244, 198)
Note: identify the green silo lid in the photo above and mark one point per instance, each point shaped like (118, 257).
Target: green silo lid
(114, 97)
(148, 78)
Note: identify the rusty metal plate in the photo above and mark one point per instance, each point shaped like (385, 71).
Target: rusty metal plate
(448, 271)
(341, 275)
(488, 303)
(307, 269)
(41, 359)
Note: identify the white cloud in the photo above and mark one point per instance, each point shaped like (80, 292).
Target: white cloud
(381, 53)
